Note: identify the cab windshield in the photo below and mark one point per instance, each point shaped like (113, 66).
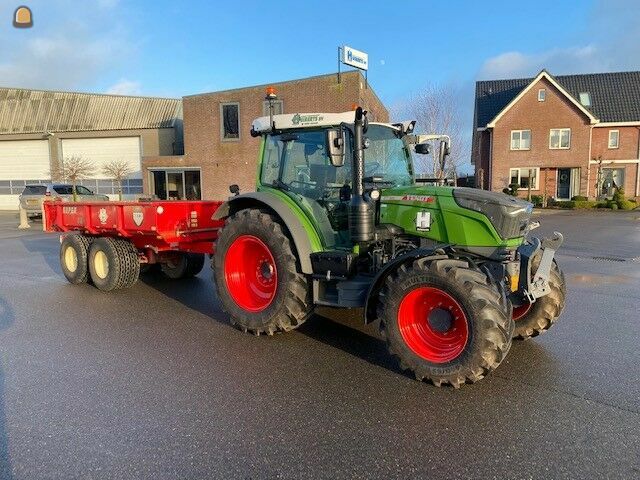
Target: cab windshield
(387, 157)
(298, 161)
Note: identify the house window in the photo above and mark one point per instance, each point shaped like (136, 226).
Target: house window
(230, 121)
(585, 99)
(520, 139)
(614, 138)
(542, 93)
(523, 176)
(559, 138)
(278, 107)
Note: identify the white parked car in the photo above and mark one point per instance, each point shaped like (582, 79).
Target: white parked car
(33, 195)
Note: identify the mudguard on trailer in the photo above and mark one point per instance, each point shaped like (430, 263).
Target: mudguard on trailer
(305, 238)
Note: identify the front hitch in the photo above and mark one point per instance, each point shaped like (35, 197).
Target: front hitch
(537, 284)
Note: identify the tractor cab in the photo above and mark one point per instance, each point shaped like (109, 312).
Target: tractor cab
(299, 159)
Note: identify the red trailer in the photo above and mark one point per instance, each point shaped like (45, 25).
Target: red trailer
(109, 242)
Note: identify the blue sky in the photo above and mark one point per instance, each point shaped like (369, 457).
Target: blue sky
(170, 48)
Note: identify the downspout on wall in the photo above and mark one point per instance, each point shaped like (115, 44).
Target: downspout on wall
(638, 166)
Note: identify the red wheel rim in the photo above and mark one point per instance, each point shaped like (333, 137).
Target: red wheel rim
(520, 311)
(250, 273)
(433, 324)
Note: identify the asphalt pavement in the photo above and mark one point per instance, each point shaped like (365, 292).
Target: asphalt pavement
(153, 383)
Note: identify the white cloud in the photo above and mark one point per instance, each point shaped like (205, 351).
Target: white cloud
(125, 87)
(68, 52)
(613, 39)
(557, 61)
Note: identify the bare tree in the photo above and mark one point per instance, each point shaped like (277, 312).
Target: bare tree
(439, 109)
(72, 169)
(118, 170)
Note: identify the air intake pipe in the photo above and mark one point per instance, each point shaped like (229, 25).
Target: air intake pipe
(361, 224)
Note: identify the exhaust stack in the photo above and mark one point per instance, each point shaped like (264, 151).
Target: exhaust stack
(361, 224)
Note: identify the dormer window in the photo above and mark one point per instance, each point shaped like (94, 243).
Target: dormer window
(585, 99)
(542, 93)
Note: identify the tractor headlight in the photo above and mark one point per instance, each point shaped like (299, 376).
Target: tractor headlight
(509, 215)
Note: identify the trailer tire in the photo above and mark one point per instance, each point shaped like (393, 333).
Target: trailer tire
(261, 286)
(129, 263)
(533, 319)
(444, 321)
(104, 264)
(74, 258)
(187, 265)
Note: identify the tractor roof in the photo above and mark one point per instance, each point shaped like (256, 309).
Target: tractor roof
(302, 120)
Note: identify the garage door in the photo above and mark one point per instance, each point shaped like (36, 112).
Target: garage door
(101, 151)
(21, 161)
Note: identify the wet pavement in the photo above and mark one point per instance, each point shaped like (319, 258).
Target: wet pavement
(152, 382)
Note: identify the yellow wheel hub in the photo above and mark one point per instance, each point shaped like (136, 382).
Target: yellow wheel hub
(101, 264)
(70, 259)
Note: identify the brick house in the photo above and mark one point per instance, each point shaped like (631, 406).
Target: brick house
(218, 148)
(561, 135)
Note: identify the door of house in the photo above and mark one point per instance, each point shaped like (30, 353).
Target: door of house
(564, 183)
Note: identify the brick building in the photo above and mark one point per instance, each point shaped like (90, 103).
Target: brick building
(218, 149)
(563, 136)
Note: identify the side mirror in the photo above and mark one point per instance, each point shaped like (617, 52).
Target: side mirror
(335, 146)
(423, 148)
(234, 189)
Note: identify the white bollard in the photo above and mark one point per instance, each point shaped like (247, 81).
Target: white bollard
(24, 219)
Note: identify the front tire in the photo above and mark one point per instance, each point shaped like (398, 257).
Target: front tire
(257, 277)
(532, 319)
(444, 321)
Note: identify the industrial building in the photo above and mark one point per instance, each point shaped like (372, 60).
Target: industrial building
(39, 129)
(195, 155)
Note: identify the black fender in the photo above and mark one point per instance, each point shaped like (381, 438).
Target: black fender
(371, 302)
(290, 220)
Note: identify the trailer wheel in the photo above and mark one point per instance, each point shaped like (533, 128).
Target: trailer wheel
(129, 262)
(532, 319)
(74, 255)
(183, 265)
(257, 276)
(444, 321)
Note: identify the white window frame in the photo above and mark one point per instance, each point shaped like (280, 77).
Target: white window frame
(519, 132)
(536, 177)
(542, 95)
(559, 130)
(617, 145)
(265, 107)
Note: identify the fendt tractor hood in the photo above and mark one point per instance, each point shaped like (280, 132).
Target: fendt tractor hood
(509, 215)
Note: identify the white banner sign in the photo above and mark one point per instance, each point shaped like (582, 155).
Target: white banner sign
(355, 58)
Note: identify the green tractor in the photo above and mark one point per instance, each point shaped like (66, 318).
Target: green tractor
(338, 220)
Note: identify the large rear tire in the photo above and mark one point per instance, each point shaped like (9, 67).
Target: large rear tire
(74, 258)
(257, 277)
(532, 319)
(445, 321)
